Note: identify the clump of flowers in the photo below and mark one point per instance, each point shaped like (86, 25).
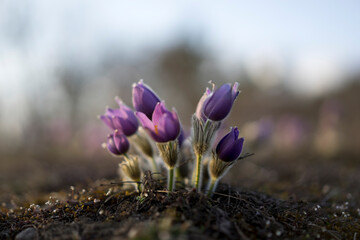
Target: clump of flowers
(163, 127)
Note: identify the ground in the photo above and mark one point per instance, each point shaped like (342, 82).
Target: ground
(108, 210)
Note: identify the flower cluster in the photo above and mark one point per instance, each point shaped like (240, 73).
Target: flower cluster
(164, 129)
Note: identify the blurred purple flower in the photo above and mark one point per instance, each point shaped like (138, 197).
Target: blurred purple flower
(117, 143)
(218, 105)
(266, 127)
(144, 99)
(164, 126)
(181, 136)
(229, 148)
(122, 119)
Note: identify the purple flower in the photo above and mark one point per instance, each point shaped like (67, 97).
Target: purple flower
(117, 143)
(181, 137)
(200, 106)
(229, 148)
(144, 99)
(218, 105)
(164, 126)
(122, 119)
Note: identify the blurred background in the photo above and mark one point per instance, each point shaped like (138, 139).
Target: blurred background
(298, 65)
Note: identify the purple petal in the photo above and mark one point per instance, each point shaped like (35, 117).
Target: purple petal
(108, 121)
(181, 136)
(112, 112)
(219, 104)
(125, 126)
(144, 99)
(159, 110)
(172, 128)
(145, 121)
(235, 92)
(121, 142)
(124, 109)
(175, 117)
(111, 145)
(149, 126)
(233, 152)
(227, 141)
(168, 127)
(127, 120)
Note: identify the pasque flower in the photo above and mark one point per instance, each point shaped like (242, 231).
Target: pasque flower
(144, 99)
(227, 153)
(164, 126)
(218, 105)
(230, 146)
(122, 119)
(117, 143)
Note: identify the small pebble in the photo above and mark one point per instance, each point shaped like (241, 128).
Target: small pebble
(27, 234)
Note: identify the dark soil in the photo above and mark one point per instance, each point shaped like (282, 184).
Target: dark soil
(107, 211)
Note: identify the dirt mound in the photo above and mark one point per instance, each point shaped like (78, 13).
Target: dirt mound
(107, 211)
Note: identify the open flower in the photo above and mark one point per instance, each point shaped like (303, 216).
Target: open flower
(164, 126)
(144, 99)
(230, 146)
(218, 105)
(117, 143)
(122, 119)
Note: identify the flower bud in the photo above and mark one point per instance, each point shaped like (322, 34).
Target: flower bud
(218, 105)
(117, 143)
(144, 99)
(229, 148)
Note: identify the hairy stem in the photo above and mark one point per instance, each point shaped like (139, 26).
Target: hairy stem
(198, 172)
(171, 180)
(212, 187)
(126, 156)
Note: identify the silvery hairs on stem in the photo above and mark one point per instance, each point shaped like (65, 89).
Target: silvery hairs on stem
(169, 151)
(131, 168)
(217, 167)
(203, 132)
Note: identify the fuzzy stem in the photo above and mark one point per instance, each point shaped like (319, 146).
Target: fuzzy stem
(126, 156)
(139, 188)
(177, 174)
(198, 172)
(171, 180)
(212, 186)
